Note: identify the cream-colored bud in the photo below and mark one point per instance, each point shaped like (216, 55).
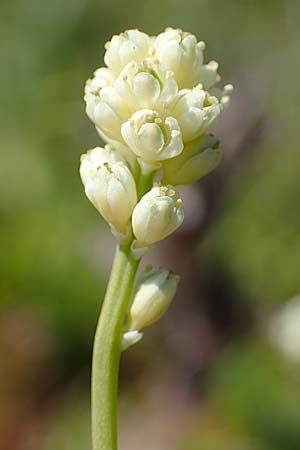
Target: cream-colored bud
(103, 77)
(94, 158)
(132, 45)
(152, 138)
(198, 159)
(195, 111)
(112, 191)
(157, 215)
(152, 297)
(184, 56)
(108, 111)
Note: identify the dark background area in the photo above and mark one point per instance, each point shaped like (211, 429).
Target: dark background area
(221, 370)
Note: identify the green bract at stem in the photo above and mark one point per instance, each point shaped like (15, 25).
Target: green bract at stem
(107, 349)
(145, 182)
(107, 342)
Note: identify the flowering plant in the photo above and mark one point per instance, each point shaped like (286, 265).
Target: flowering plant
(153, 104)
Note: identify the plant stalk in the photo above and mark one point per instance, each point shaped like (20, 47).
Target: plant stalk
(107, 342)
(107, 350)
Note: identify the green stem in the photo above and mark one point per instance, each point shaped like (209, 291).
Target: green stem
(144, 184)
(107, 343)
(107, 350)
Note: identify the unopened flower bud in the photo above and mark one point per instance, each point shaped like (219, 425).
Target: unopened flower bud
(157, 215)
(152, 297)
(184, 56)
(198, 158)
(112, 191)
(132, 45)
(152, 138)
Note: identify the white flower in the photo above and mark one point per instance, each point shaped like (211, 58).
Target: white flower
(157, 215)
(195, 111)
(102, 78)
(112, 191)
(108, 111)
(147, 85)
(184, 56)
(152, 297)
(94, 158)
(198, 158)
(152, 138)
(132, 45)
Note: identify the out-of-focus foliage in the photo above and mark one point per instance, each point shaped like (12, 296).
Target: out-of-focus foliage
(206, 378)
(69, 429)
(259, 392)
(256, 234)
(254, 396)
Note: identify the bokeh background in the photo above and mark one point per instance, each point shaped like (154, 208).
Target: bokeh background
(221, 370)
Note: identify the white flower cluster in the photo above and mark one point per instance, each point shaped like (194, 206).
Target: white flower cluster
(155, 94)
(153, 104)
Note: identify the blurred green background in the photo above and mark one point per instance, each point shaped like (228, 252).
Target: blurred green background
(221, 370)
